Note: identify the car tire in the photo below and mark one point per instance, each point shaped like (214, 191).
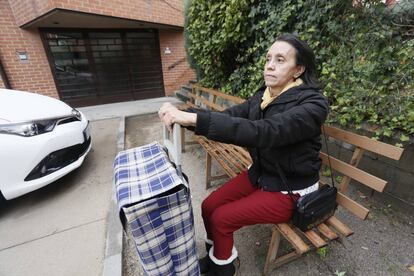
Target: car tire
(2, 200)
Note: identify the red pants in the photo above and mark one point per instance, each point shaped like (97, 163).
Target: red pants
(236, 204)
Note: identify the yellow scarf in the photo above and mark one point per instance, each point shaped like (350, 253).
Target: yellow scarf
(267, 97)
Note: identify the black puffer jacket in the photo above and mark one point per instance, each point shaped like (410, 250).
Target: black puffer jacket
(287, 131)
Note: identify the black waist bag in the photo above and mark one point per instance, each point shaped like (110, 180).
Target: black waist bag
(314, 208)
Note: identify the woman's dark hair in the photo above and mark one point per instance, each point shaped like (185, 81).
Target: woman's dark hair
(304, 57)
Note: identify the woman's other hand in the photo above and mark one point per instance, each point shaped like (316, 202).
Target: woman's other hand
(169, 115)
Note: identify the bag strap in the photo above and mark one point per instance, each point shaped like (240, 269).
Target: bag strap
(284, 181)
(327, 153)
(283, 176)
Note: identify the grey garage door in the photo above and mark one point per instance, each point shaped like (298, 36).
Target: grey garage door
(102, 66)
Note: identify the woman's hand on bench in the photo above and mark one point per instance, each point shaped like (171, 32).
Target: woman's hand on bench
(170, 115)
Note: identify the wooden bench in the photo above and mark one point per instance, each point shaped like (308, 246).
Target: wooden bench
(234, 159)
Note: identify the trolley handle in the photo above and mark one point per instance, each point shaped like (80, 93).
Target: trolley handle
(173, 145)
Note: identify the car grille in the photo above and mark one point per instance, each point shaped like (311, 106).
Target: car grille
(57, 160)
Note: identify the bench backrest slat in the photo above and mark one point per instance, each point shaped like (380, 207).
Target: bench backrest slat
(190, 104)
(231, 98)
(359, 175)
(349, 204)
(211, 105)
(352, 206)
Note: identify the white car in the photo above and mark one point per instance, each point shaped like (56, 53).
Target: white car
(41, 140)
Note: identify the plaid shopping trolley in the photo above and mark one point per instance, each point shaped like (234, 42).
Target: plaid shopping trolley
(154, 200)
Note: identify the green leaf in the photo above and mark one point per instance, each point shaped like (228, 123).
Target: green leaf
(404, 138)
(326, 173)
(322, 251)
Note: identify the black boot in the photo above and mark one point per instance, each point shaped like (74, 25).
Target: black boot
(205, 262)
(222, 270)
(227, 267)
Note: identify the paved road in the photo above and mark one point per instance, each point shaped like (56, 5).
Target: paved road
(61, 229)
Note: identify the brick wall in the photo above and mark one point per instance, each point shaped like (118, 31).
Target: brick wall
(33, 75)
(167, 12)
(181, 73)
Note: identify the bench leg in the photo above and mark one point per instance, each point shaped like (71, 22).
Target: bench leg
(209, 177)
(208, 170)
(182, 140)
(271, 260)
(272, 251)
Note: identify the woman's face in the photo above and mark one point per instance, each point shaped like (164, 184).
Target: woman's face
(280, 68)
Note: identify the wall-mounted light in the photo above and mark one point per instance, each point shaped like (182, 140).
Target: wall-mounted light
(167, 51)
(22, 56)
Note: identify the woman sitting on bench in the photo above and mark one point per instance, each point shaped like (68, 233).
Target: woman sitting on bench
(280, 125)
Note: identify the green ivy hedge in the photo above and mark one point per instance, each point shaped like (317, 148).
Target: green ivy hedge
(364, 53)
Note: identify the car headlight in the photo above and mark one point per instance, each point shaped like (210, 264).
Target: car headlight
(29, 129)
(77, 114)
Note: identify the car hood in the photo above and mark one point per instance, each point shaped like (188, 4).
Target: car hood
(17, 106)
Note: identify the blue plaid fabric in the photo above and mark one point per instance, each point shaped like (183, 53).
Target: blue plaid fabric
(156, 204)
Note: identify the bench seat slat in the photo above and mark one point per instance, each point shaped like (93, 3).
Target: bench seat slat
(339, 226)
(213, 152)
(230, 158)
(237, 156)
(315, 239)
(327, 232)
(245, 153)
(287, 231)
(229, 154)
(225, 157)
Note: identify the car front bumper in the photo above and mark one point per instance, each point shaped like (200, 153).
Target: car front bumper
(20, 157)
